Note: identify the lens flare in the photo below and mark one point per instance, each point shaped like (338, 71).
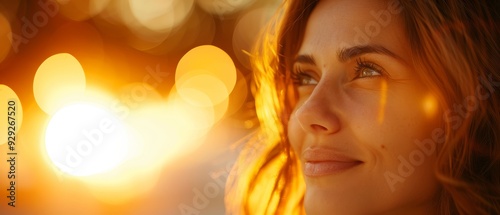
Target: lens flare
(209, 85)
(430, 106)
(194, 119)
(207, 70)
(59, 80)
(113, 149)
(247, 31)
(84, 139)
(382, 102)
(224, 7)
(161, 15)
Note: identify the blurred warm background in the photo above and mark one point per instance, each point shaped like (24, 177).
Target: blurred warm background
(126, 106)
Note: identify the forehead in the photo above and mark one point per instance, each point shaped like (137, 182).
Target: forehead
(336, 24)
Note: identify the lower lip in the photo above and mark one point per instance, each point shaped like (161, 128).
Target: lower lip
(316, 169)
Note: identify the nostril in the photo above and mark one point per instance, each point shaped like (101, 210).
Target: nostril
(317, 116)
(316, 127)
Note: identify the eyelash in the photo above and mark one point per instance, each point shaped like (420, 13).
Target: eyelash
(362, 64)
(298, 75)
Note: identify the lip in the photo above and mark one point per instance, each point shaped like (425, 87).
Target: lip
(323, 161)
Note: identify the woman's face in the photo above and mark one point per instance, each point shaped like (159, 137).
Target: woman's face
(365, 127)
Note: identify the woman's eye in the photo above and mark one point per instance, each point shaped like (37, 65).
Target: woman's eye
(367, 72)
(302, 78)
(306, 79)
(366, 69)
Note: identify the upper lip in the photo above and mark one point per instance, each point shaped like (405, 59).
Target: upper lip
(326, 155)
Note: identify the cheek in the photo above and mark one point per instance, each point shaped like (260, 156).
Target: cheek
(392, 122)
(389, 125)
(402, 142)
(400, 151)
(408, 120)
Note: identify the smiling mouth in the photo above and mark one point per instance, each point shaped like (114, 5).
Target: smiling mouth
(322, 168)
(325, 161)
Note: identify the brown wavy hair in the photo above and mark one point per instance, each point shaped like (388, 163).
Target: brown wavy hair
(455, 42)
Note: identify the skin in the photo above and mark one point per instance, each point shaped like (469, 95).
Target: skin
(373, 118)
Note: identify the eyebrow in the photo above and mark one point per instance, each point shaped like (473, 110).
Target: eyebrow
(346, 54)
(306, 59)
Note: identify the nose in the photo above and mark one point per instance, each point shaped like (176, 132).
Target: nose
(317, 115)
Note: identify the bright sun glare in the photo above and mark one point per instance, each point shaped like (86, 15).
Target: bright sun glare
(112, 143)
(84, 139)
